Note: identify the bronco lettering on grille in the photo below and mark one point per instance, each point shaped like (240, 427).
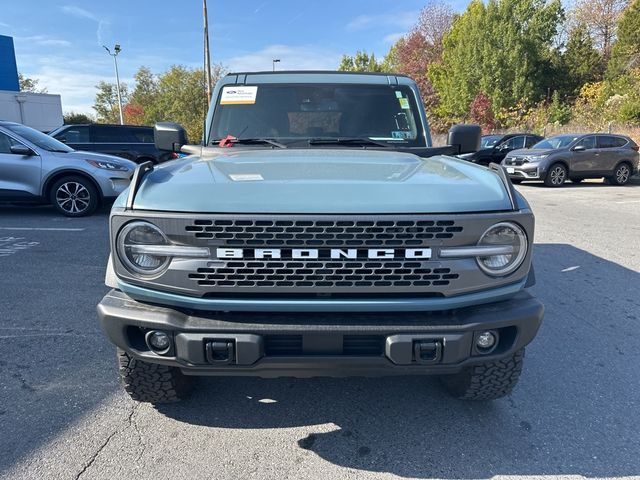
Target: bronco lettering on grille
(320, 253)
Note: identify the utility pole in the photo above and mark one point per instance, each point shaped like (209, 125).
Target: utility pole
(207, 58)
(116, 51)
(273, 63)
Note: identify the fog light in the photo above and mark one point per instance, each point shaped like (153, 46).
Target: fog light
(485, 340)
(158, 341)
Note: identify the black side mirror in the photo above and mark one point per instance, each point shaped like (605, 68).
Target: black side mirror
(169, 136)
(21, 150)
(465, 137)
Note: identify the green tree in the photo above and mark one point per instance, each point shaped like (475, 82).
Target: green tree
(502, 48)
(30, 85)
(360, 62)
(106, 102)
(75, 118)
(580, 63)
(144, 96)
(626, 51)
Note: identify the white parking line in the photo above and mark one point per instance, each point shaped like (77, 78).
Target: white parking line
(44, 229)
(629, 201)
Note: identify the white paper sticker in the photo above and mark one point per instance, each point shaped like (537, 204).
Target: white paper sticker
(238, 95)
(246, 177)
(511, 170)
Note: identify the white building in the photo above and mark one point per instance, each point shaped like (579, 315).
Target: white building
(42, 111)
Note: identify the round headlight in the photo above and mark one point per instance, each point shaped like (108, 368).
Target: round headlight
(503, 234)
(132, 238)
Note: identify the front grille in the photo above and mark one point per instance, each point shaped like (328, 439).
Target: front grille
(515, 161)
(322, 233)
(353, 345)
(269, 273)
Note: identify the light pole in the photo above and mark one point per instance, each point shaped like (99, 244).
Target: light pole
(116, 51)
(273, 63)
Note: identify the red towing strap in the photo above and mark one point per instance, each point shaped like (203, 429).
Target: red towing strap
(227, 141)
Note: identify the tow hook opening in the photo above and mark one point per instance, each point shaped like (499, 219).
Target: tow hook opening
(220, 352)
(427, 352)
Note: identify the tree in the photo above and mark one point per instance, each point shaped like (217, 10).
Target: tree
(421, 47)
(482, 114)
(626, 51)
(580, 63)
(74, 118)
(360, 62)
(106, 102)
(601, 19)
(502, 48)
(30, 85)
(139, 109)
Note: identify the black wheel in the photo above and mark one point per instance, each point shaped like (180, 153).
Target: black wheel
(516, 181)
(150, 382)
(486, 381)
(74, 196)
(621, 174)
(556, 175)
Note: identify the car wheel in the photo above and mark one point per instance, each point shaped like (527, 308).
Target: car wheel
(556, 176)
(621, 174)
(74, 196)
(486, 381)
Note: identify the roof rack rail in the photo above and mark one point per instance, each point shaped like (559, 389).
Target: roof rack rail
(139, 173)
(511, 192)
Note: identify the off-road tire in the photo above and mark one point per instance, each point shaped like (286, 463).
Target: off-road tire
(151, 382)
(556, 175)
(621, 174)
(487, 381)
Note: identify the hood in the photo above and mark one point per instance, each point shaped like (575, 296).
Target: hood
(82, 155)
(320, 181)
(524, 152)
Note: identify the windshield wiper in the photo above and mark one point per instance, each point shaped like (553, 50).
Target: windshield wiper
(346, 141)
(253, 141)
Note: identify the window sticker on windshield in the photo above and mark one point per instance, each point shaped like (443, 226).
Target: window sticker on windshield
(398, 94)
(238, 95)
(400, 135)
(404, 103)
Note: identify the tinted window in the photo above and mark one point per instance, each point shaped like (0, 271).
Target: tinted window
(298, 112)
(5, 143)
(531, 141)
(142, 135)
(38, 138)
(607, 141)
(489, 141)
(110, 134)
(559, 141)
(74, 135)
(514, 143)
(587, 142)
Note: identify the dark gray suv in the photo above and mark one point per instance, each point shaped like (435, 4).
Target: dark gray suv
(575, 157)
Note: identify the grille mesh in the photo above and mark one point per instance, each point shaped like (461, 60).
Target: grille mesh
(258, 273)
(322, 233)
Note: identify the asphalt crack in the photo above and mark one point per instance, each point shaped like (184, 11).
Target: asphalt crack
(94, 457)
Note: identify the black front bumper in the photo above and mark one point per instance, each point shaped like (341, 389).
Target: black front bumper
(324, 344)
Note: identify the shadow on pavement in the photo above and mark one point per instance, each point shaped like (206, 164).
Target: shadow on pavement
(574, 412)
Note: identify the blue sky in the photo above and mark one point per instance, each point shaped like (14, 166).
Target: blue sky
(59, 43)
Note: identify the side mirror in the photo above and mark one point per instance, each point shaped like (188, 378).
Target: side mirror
(579, 148)
(465, 137)
(21, 150)
(169, 136)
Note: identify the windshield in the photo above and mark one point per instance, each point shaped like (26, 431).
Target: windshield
(552, 143)
(39, 139)
(291, 113)
(489, 141)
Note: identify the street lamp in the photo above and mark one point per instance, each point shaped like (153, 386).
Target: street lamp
(273, 63)
(116, 51)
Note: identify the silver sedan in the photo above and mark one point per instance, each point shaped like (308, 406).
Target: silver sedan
(35, 167)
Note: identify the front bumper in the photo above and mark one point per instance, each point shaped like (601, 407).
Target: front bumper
(526, 171)
(321, 344)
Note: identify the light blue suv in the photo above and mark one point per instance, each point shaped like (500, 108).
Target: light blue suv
(316, 232)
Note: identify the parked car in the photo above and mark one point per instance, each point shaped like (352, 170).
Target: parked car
(575, 157)
(35, 167)
(493, 148)
(132, 142)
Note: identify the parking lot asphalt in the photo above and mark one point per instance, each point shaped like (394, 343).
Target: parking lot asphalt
(574, 414)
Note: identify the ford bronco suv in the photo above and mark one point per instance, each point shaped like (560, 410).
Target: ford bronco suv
(316, 232)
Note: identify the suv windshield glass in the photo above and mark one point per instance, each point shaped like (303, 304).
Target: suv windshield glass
(39, 139)
(489, 141)
(552, 143)
(300, 112)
